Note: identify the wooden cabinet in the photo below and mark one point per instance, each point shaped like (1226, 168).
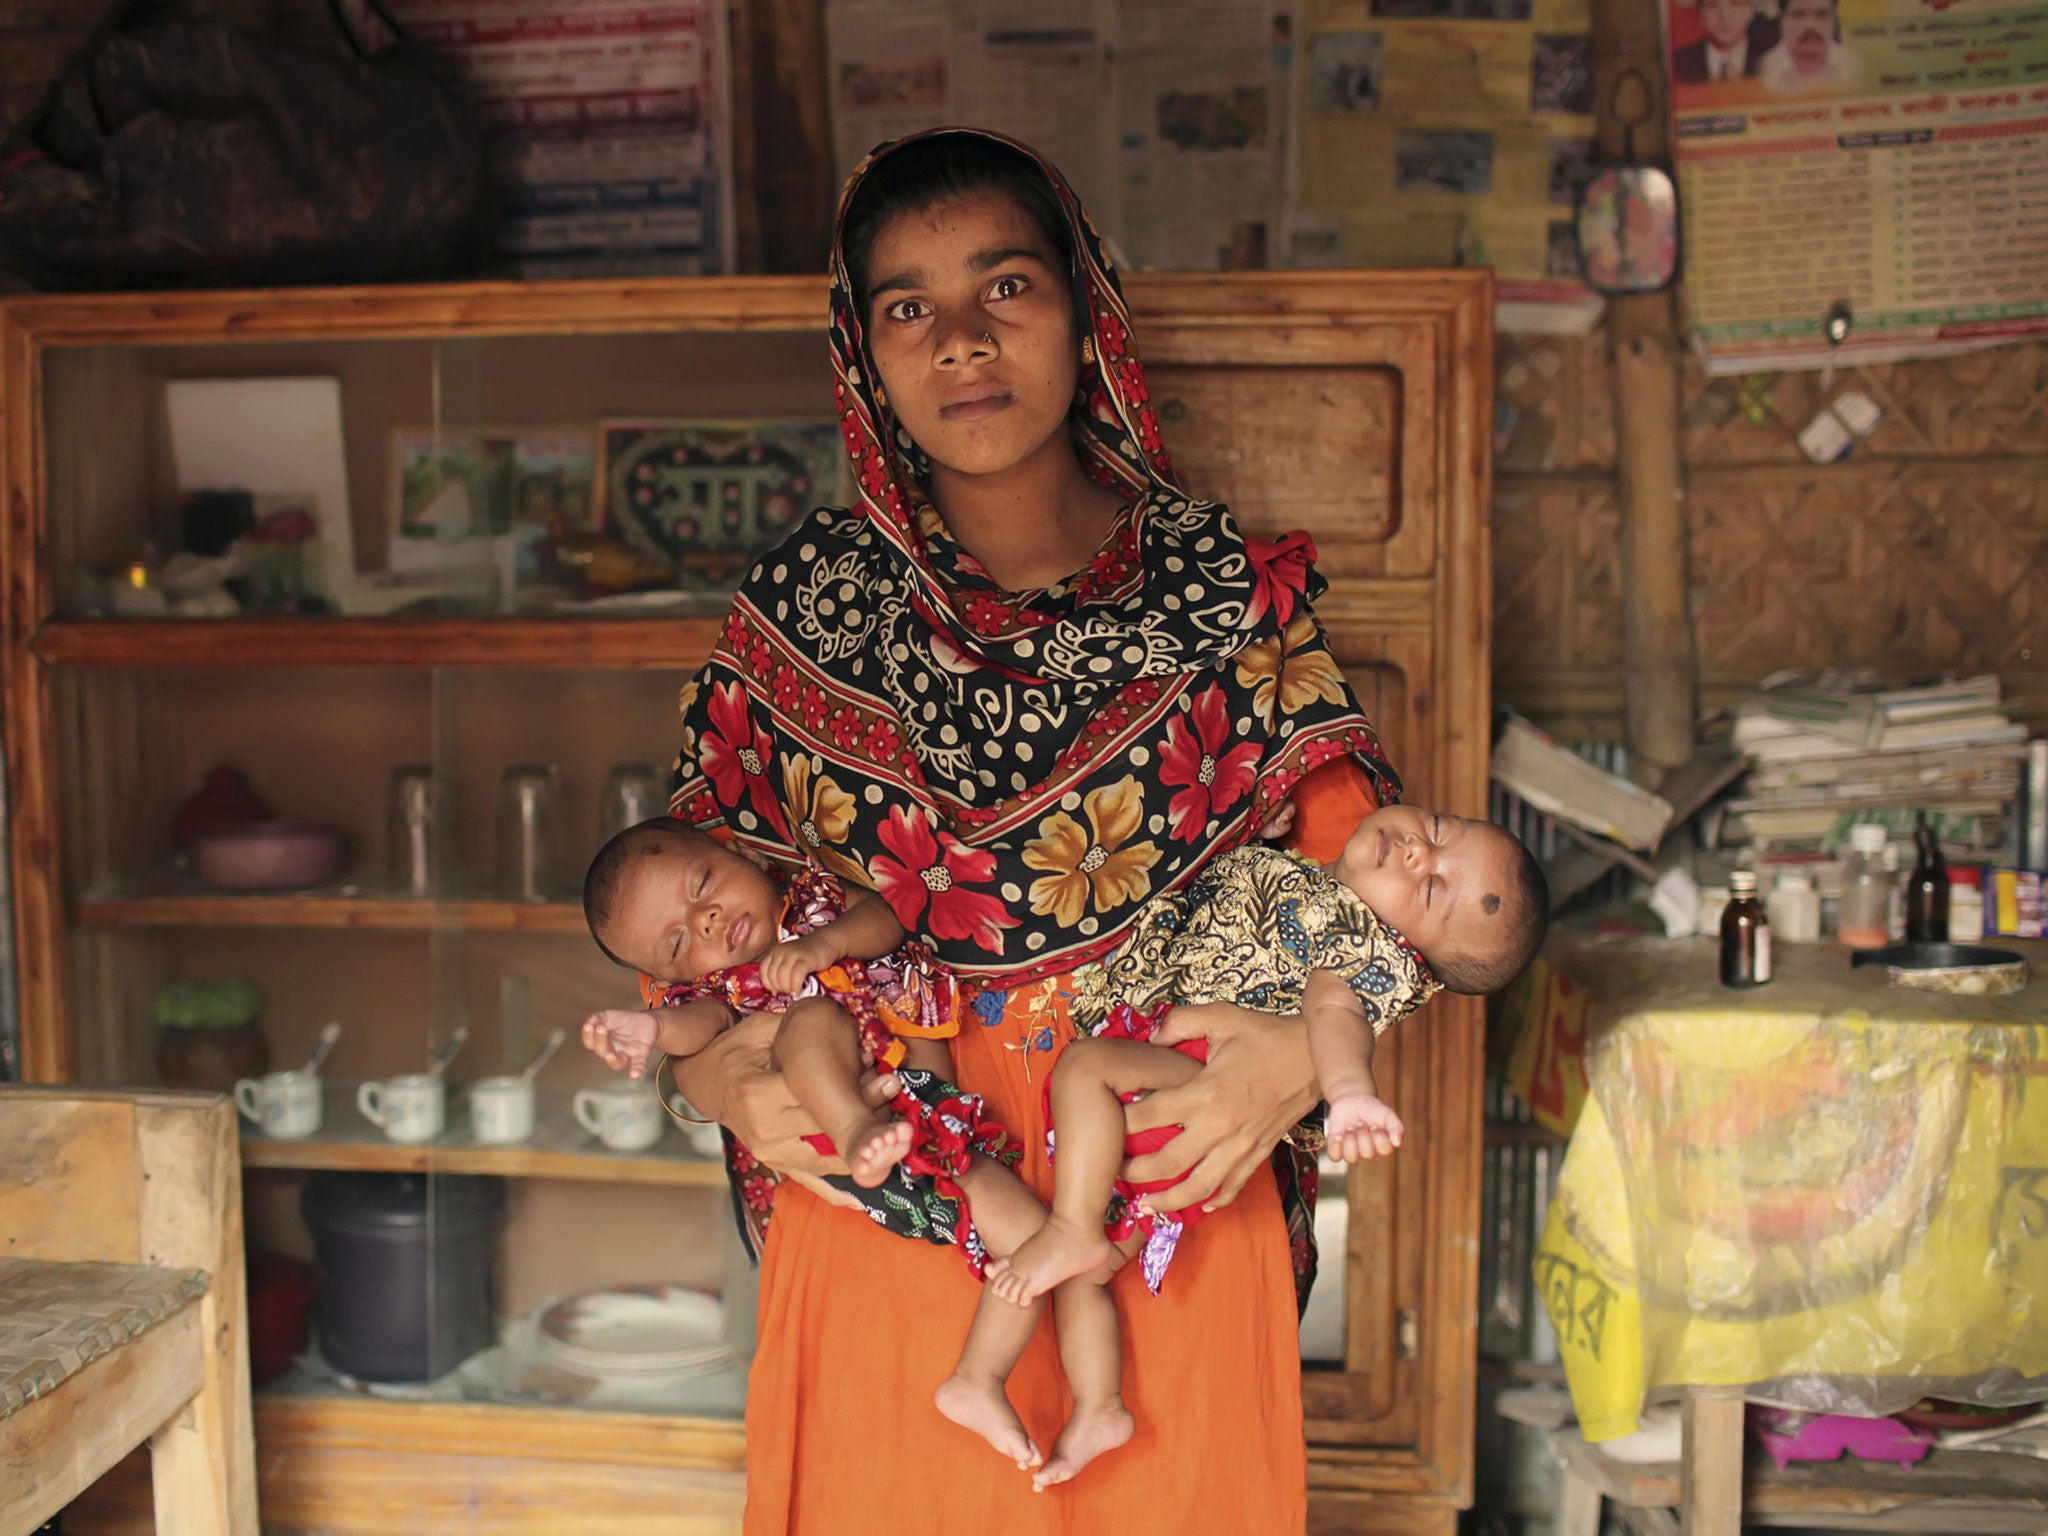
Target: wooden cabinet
(1354, 405)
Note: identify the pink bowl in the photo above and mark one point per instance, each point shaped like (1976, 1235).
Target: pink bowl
(270, 855)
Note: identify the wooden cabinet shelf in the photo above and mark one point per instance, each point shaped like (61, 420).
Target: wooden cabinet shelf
(559, 1149)
(678, 643)
(334, 1462)
(589, 1164)
(1355, 406)
(213, 909)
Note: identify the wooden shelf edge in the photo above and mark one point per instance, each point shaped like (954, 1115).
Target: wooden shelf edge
(679, 643)
(222, 911)
(564, 1165)
(495, 1430)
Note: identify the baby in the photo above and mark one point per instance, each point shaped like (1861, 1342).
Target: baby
(1416, 900)
(722, 937)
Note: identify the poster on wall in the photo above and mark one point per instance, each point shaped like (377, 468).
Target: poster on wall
(1919, 126)
(611, 124)
(1445, 133)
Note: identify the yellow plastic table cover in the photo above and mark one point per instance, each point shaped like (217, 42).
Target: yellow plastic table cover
(1830, 1191)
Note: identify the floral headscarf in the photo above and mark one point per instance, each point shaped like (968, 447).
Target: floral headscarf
(1016, 773)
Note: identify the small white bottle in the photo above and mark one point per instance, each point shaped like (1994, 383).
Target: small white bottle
(1794, 908)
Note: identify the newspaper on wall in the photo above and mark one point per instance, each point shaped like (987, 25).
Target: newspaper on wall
(1039, 72)
(1205, 111)
(1890, 155)
(611, 124)
(1446, 132)
(1170, 117)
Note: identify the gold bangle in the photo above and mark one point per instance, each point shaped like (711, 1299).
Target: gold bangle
(668, 1102)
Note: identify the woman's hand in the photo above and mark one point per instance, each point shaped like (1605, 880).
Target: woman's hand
(733, 1080)
(1258, 1084)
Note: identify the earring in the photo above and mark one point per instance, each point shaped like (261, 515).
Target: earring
(1088, 351)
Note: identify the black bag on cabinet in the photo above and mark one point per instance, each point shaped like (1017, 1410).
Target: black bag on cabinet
(176, 153)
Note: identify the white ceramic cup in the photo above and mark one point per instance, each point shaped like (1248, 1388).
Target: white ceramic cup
(500, 1110)
(409, 1108)
(285, 1105)
(627, 1117)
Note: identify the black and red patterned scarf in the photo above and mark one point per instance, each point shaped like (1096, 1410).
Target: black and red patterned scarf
(1016, 773)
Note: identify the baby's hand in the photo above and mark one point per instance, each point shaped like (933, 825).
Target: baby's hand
(1361, 1126)
(622, 1038)
(793, 962)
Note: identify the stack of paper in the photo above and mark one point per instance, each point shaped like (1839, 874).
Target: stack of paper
(1828, 756)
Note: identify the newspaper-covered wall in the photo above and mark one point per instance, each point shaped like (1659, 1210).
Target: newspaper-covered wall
(611, 124)
(1888, 154)
(1171, 117)
(1446, 132)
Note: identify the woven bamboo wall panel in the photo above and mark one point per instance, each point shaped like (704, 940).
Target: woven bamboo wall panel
(1908, 570)
(1556, 596)
(1987, 403)
(1558, 400)
(1926, 549)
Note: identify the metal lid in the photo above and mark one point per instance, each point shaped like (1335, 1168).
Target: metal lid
(386, 1202)
(1868, 837)
(1742, 882)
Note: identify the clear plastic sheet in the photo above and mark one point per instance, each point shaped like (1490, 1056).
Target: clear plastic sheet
(1830, 1191)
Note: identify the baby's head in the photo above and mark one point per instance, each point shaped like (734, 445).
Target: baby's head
(1466, 894)
(676, 904)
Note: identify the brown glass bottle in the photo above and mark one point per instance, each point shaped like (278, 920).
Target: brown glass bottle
(1927, 889)
(1745, 934)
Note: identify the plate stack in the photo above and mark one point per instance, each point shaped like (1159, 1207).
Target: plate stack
(637, 1333)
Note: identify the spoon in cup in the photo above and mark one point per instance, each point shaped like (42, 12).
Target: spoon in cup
(329, 1033)
(448, 1051)
(540, 1057)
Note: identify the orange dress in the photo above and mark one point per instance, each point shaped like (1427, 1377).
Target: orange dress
(858, 1328)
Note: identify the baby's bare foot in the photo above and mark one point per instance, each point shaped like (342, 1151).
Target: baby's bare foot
(985, 1410)
(876, 1150)
(1056, 1252)
(1089, 1433)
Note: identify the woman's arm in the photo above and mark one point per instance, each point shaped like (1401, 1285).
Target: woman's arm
(1259, 1083)
(733, 1081)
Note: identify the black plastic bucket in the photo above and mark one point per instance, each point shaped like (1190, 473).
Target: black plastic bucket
(407, 1270)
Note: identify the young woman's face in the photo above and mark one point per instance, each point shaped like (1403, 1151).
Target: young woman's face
(970, 324)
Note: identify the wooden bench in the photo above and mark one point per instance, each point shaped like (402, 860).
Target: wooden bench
(122, 1315)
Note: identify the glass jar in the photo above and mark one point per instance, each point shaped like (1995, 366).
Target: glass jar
(1794, 907)
(1745, 934)
(1865, 921)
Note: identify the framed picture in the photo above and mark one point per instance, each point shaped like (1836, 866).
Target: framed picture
(711, 497)
(280, 440)
(487, 497)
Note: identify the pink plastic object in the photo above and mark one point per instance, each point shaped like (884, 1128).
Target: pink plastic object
(1790, 1437)
(270, 855)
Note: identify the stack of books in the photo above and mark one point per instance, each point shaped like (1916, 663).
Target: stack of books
(1828, 756)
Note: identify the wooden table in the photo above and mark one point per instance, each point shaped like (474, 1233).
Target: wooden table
(1828, 1193)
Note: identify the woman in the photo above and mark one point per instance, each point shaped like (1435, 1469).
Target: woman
(1024, 684)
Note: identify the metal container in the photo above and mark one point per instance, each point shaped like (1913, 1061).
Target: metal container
(633, 793)
(530, 865)
(407, 1288)
(417, 847)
